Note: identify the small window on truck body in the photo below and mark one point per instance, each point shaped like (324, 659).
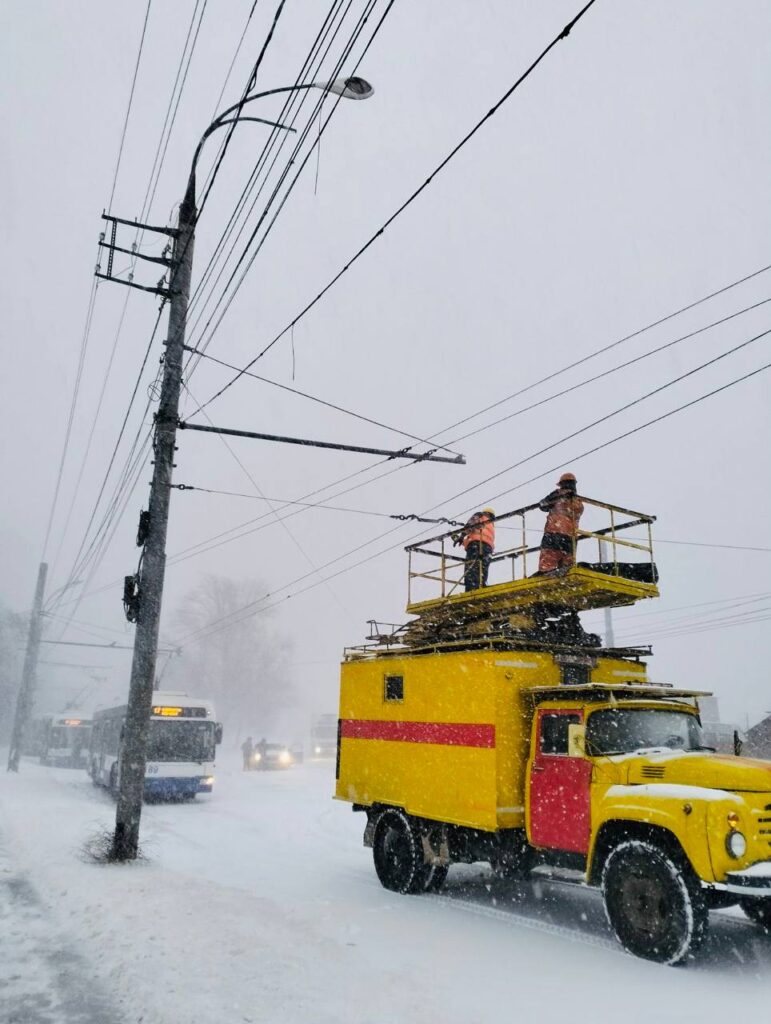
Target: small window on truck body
(554, 732)
(393, 688)
(575, 675)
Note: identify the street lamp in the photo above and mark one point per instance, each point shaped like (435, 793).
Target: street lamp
(125, 843)
(347, 88)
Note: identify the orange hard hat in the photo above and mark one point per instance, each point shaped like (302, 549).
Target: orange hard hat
(567, 478)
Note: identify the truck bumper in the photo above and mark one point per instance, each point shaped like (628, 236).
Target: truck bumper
(753, 881)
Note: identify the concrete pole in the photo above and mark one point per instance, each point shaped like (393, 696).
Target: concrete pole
(134, 741)
(26, 697)
(609, 638)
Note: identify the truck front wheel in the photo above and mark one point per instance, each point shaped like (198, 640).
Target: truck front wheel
(757, 910)
(653, 902)
(398, 854)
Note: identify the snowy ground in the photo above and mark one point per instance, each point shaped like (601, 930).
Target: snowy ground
(259, 903)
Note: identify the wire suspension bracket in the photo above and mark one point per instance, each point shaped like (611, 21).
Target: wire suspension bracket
(429, 456)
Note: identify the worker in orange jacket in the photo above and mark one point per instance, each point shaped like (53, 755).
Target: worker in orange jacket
(478, 539)
(564, 509)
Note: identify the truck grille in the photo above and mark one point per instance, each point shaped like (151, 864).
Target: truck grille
(763, 828)
(652, 771)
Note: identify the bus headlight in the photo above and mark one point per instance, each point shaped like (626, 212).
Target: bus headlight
(736, 844)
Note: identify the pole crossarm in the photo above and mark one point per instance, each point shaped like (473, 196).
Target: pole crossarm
(171, 232)
(163, 260)
(130, 284)
(458, 460)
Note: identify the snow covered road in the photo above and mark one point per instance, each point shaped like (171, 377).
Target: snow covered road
(259, 903)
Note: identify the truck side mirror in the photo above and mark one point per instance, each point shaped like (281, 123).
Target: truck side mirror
(218, 732)
(577, 740)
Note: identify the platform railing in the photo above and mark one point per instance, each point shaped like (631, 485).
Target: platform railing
(449, 563)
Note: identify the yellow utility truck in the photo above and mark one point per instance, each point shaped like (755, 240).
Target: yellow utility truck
(493, 728)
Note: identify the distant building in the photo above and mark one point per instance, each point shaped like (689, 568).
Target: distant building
(758, 743)
(717, 734)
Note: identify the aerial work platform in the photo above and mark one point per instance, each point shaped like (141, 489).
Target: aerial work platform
(578, 588)
(515, 602)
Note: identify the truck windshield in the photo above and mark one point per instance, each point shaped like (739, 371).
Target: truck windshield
(624, 730)
(180, 741)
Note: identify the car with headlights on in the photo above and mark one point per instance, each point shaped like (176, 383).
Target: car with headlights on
(270, 756)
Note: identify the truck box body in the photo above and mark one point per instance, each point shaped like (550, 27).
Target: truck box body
(445, 736)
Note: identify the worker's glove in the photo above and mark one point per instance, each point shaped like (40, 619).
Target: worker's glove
(457, 539)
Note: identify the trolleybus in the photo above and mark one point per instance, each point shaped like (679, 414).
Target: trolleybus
(180, 748)
(64, 740)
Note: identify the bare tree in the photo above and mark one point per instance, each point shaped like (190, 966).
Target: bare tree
(243, 667)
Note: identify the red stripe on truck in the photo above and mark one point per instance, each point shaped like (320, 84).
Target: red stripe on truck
(453, 734)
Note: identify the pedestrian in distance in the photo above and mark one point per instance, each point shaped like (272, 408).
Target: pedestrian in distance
(247, 750)
(564, 509)
(478, 540)
(261, 749)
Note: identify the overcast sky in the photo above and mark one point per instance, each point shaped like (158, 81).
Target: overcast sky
(628, 177)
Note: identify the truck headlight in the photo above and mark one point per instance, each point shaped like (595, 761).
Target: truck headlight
(285, 757)
(736, 844)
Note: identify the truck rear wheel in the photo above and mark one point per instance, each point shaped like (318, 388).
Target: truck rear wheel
(653, 902)
(398, 854)
(757, 910)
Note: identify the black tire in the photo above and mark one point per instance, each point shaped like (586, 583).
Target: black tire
(398, 854)
(653, 902)
(757, 910)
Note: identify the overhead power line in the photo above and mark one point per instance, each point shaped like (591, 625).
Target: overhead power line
(437, 170)
(607, 373)
(320, 401)
(295, 155)
(252, 609)
(250, 85)
(557, 443)
(233, 534)
(128, 108)
(71, 416)
(293, 98)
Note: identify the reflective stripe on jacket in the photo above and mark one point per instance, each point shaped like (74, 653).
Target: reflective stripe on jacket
(480, 527)
(564, 510)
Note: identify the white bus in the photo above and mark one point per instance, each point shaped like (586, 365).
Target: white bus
(180, 747)
(64, 740)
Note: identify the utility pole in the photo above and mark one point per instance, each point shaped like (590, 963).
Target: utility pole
(26, 696)
(143, 595)
(610, 640)
(132, 761)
